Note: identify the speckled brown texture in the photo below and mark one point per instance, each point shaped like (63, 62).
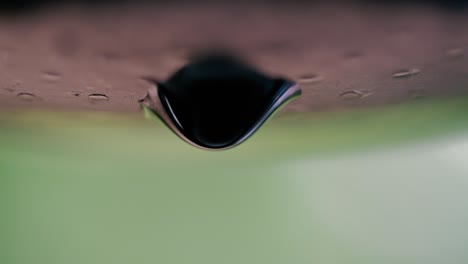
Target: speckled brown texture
(61, 56)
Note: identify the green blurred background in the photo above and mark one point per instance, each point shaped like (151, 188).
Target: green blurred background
(382, 185)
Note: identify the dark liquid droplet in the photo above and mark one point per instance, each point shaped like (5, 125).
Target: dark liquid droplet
(216, 101)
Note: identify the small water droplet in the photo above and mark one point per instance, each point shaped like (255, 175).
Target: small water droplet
(310, 78)
(28, 97)
(354, 94)
(98, 97)
(454, 53)
(51, 76)
(406, 73)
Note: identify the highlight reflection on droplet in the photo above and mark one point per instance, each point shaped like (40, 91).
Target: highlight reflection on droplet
(217, 102)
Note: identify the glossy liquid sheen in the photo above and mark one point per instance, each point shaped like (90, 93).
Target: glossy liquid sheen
(216, 101)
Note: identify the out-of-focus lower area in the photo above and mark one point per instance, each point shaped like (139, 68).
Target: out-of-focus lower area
(381, 186)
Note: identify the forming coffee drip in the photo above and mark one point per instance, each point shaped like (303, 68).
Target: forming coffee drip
(217, 102)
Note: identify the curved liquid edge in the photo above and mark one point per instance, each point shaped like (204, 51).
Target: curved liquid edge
(153, 102)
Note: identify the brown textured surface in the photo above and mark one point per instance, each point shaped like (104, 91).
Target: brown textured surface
(344, 56)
